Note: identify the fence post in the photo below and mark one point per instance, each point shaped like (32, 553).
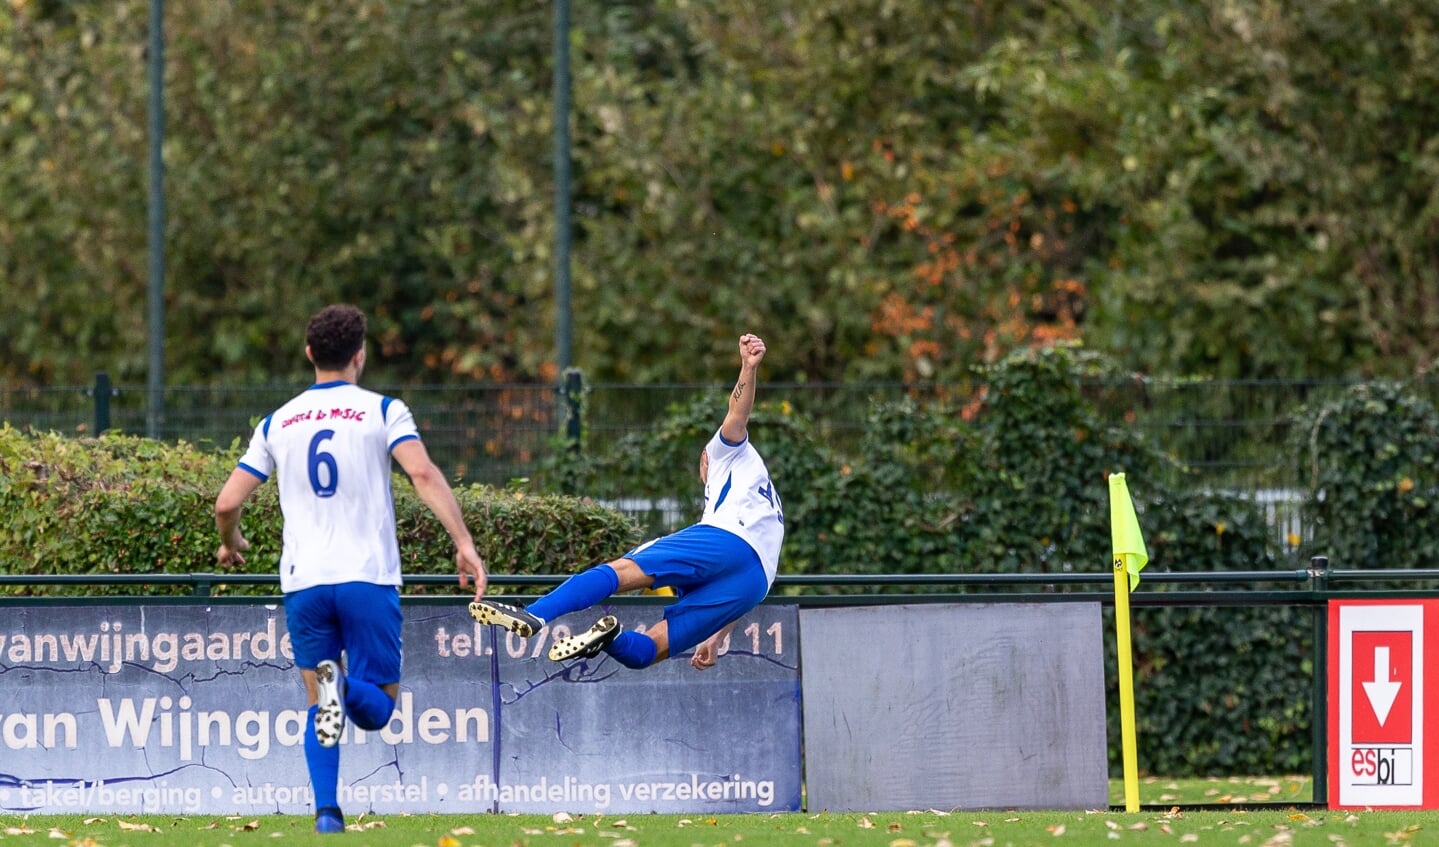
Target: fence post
(1319, 714)
(572, 391)
(102, 402)
(573, 394)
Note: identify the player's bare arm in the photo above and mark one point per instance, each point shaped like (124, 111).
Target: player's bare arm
(741, 401)
(436, 493)
(707, 653)
(228, 506)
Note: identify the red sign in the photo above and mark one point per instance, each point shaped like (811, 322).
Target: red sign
(1383, 741)
(1382, 685)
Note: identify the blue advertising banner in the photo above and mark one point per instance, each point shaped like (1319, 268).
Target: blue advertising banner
(192, 709)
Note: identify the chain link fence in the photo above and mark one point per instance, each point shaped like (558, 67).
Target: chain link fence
(1233, 434)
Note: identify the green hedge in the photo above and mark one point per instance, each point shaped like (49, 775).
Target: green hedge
(126, 505)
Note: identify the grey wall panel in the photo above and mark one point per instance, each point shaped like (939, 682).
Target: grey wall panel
(954, 707)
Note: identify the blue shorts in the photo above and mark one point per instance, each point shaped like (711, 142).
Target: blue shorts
(361, 618)
(716, 574)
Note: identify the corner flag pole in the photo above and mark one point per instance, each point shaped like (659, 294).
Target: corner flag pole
(1130, 557)
(1126, 687)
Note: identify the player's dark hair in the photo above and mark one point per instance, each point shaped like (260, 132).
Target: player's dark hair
(335, 334)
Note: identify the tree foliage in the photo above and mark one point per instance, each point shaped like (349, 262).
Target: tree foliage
(883, 188)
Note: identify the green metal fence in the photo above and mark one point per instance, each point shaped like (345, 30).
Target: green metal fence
(1231, 433)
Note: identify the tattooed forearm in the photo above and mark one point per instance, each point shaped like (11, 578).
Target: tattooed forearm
(738, 389)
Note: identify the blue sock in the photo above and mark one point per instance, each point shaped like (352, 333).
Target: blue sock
(633, 650)
(367, 704)
(324, 765)
(580, 591)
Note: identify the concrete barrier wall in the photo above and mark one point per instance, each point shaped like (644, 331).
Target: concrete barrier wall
(192, 709)
(954, 707)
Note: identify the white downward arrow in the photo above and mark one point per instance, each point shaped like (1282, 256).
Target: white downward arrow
(1381, 691)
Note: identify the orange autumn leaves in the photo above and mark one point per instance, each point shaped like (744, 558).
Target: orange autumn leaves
(998, 274)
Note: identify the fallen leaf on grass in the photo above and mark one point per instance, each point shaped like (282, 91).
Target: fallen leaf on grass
(448, 841)
(462, 830)
(19, 830)
(140, 827)
(89, 821)
(1402, 836)
(866, 823)
(894, 827)
(59, 833)
(1056, 830)
(562, 817)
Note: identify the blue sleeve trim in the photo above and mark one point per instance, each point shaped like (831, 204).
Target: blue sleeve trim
(266, 429)
(402, 439)
(724, 492)
(726, 442)
(248, 469)
(385, 408)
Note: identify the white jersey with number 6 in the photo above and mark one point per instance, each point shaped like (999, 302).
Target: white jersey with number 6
(329, 449)
(739, 497)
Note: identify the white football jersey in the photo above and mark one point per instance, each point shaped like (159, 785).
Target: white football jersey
(329, 450)
(739, 497)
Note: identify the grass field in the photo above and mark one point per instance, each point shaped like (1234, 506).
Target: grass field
(1272, 825)
(1234, 791)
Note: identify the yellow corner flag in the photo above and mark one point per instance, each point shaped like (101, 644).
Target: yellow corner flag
(1129, 557)
(1124, 532)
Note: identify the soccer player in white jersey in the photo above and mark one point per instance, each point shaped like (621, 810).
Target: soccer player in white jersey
(721, 567)
(329, 450)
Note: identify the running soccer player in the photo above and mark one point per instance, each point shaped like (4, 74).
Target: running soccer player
(720, 568)
(329, 449)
